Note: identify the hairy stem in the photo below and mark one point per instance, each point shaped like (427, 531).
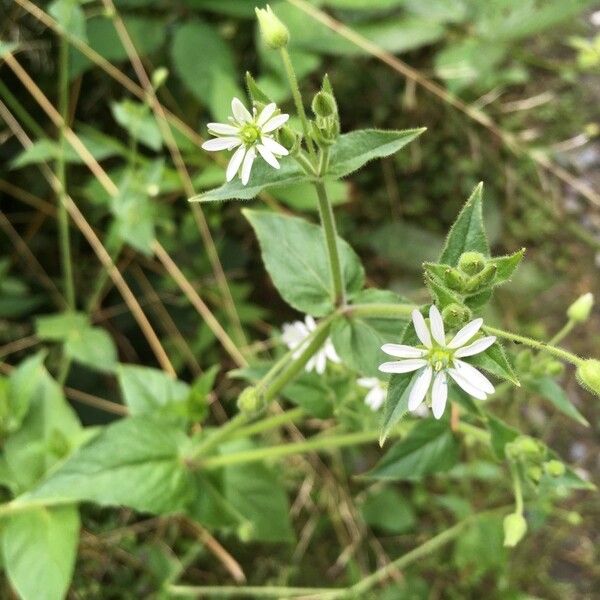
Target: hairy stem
(331, 241)
(380, 311)
(271, 422)
(542, 346)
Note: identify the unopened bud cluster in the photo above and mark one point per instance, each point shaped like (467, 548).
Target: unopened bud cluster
(473, 274)
(532, 455)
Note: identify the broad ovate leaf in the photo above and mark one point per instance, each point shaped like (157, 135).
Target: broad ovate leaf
(295, 255)
(39, 548)
(137, 462)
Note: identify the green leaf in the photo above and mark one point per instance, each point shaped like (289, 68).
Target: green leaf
(468, 232)
(295, 256)
(70, 17)
(147, 35)
(147, 390)
(249, 498)
(349, 153)
(263, 176)
(388, 510)
(139, 122)
(358, 340)
(396, 403)
(21, 386)
(91, 346)
(501, 434)
(495, 361)
(549, 389)
(205, 64)
(429, 448)
(507, 265)
(39, 547)
(255, 492)
(137, 462)
(355, 149)
(48, 433)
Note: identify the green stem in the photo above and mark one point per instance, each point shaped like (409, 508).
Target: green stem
(358, 590)
(324, 442)
(329, 231)
(289, 416)
(305, 163)
(291, 75)
(220, 435)
(61, 173)
(380, 311)
(563, 333)
(541, 346)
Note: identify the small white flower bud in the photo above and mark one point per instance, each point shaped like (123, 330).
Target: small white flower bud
(515, 527)
(580, 310)
(273, 31)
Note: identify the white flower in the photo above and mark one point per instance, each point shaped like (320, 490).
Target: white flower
(248, 133)
(294, 336)
(437, 359)
(376, 395)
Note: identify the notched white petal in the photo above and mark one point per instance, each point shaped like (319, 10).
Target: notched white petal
(234, 164)
(437, 325)
(247, 165)
(466, 385)
(465, 334)
(476, 347)
(222, 129)
(266, 114)
(220, 143)
(402, 351)
(421, 328)
(268, 156)
(240, 112)
(439, 394)
(275, 122)
(473, 376)
(402, 366)
(273, 146)
(419, 388)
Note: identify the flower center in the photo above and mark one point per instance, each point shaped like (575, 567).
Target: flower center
(249, 133)
(439, 358)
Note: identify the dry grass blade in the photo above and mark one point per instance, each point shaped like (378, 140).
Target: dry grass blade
(94, 241)
(110, 187)
(167, 134)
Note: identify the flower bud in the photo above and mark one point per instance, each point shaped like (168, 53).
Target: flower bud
(159, 76)
(245, 531)
(249, 401)
(526, 448)
(483, 278)
(323, 104)
(588, 374)
(454, 279)
(273, 31)
(580, 310)
(455, 315)
(554, 468)
(289, 139)
(515, 527)
(574, 518)
(471, 263)
(534, 473)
